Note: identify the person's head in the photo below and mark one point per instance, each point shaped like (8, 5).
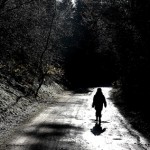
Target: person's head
(99, 90)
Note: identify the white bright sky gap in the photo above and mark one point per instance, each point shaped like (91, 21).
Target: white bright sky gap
(73, 1)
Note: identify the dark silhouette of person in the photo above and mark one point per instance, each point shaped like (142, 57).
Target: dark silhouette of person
(98, 102)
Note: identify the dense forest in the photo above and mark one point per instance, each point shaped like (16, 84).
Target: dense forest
(91, 43)
(31, 33)
(110, 45)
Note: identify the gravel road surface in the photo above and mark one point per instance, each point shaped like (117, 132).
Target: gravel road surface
(69, 124)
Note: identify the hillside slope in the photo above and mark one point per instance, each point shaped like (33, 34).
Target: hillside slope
(15, 108)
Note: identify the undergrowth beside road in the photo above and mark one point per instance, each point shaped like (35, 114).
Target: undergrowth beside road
(138, 118)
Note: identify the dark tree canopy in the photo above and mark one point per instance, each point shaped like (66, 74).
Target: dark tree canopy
(92, 44)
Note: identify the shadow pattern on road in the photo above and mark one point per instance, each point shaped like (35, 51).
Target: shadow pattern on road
(81, 91)
(97, 129)
(49, 136)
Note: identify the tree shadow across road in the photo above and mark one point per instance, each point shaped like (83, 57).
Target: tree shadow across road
(81, 91)
(47, 136)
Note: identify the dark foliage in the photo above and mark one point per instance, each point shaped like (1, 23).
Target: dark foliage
(133, 46)
(95, 43)
(110, 45)
(93, 60)
(31, 46)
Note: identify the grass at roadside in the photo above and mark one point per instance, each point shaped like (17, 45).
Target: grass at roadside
(139, 119)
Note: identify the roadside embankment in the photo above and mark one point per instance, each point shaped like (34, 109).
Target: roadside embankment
(16, 108)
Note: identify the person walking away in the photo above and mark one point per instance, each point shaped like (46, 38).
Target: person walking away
(98, 102)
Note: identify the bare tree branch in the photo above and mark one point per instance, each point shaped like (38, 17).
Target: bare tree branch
(45, 49)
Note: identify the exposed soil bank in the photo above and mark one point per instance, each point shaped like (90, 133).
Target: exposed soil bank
(15, 109)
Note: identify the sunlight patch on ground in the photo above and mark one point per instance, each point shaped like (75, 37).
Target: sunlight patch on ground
(98, 141)
(19, 141)
(106, 91)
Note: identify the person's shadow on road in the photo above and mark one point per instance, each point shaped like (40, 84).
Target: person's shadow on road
(97, 129)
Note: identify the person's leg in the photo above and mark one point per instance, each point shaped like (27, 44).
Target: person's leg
(100, 120)
(96, 114)
(99, 116)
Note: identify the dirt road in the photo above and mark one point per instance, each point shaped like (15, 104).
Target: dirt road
(69, 124)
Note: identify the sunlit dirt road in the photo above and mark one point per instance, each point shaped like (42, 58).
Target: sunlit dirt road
(69, 124)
